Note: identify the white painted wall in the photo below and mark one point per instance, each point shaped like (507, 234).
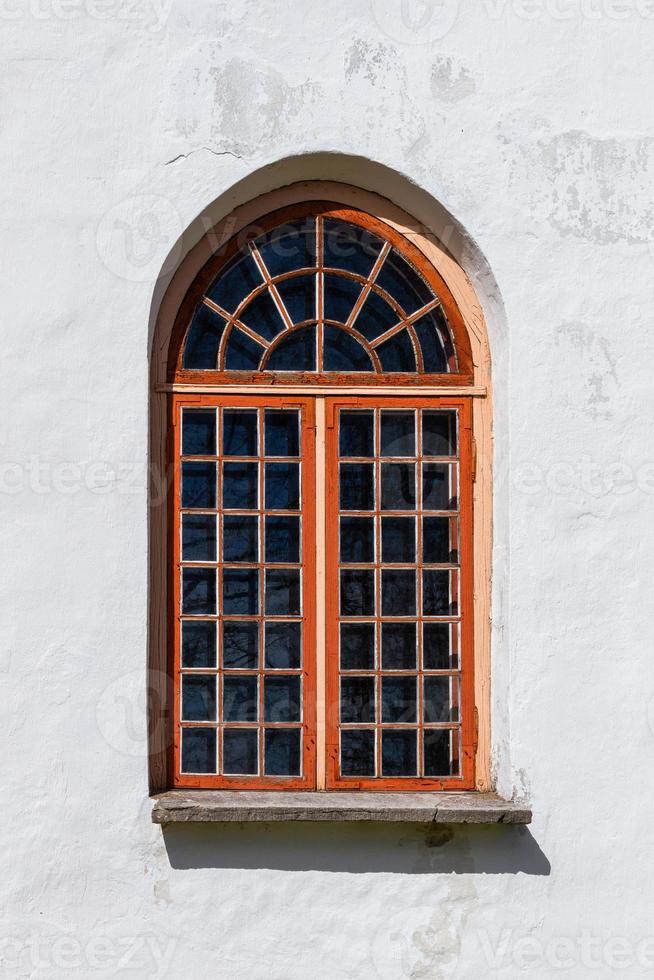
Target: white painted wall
(529, 121)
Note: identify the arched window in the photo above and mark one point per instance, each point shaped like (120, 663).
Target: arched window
(321, 567)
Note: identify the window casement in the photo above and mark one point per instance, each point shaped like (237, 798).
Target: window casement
(321, 579)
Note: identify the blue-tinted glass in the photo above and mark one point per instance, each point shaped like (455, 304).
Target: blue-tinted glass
(398, 646)
(431, 330)
(282, 486)
(403, 283)
(398, 486)
(357, 539)
(439, 705)
(239, 432)
(199, 698)
(350, 247)
(399, 699)
(397, 434)
(283, 644)
(198, 537)
(283, 592)
(202, 340)
(436, 593)
(341, 352)
(299, 297)
(282, 751)
(199, 750)
(357, 646)
(282, 698)
(397, 353)
(240, 645)
(439, 433)
(199, 591)
(240, 751)
(297, 352)
(357, 753)
(262, 316)
(240, 701)
(282, 433)
(438, 754)
(282, 540)
(376, 316)
(240, 486)
(398, 592)
(198, 485)
(356, 433)
(198, 644)
(240, 538)
(357, 490)
(198, 432)
(290, 246)
(398, 536)
(340, 296)
(399, 754)
(243, 353)
(240, 591)
(437, 487)
(438, 648)
(357, 593)
(236, 281)
(439, 540)
(357, 700)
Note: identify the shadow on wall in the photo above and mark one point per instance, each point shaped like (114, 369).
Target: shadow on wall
(356, 848)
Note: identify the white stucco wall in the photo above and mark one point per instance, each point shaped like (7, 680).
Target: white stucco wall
(530, 122)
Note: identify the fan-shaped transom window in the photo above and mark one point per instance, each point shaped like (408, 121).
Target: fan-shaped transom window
(328, 292)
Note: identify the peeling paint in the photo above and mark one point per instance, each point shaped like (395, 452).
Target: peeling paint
(451, 82)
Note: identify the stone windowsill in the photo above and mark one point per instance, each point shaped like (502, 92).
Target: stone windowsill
(220, 806)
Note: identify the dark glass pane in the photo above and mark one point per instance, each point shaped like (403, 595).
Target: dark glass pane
(403, 283)
(397, 434)
(340, 296)
(357, 646)
(282, 486)
(356, 433)
(236, 281)
(243, 353)
(399, 699)
(240, 701)
(437, 488)
(357, 753)
(283, 539)
(350, 247)
(282, 698)
(240, 645)
(240, 591)
(198, 644)
(283, 593)
(398, 486)
(357, 486)
(199, 591)
(399, 753)
(439, 543)
(439, 433)
(239, 432)
(240, 486)
(283, 751)
(357, 593)
(290, 246)
(398, 592)
(203, 340)
(440, 700)
(282, 433)
(375, 317)
(436, 593)
(240, 538)
(439, 759)
(198, 750)
(343, 352)
(198, 432)
(397, 353)
(262, 316)
(398, 646)
(398, 539)
(357, 539)
(199, 698)
(439, 649)
(240, 751)
(357, 699)
(433, 336)
(296, 352)
(299, 297)
(198, 537)
(283, 646)
(198, 485)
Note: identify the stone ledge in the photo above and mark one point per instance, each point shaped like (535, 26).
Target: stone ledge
(221, 806)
